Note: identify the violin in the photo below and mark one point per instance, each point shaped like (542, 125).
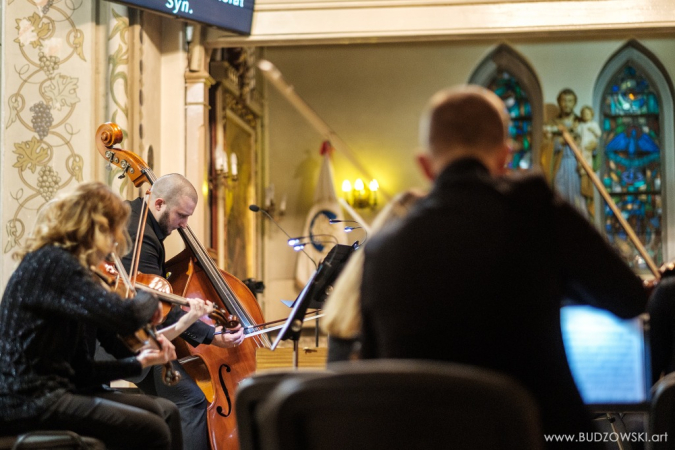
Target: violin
(144, 337)
(162, 289)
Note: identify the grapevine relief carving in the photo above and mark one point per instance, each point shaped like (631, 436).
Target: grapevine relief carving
(43, 104)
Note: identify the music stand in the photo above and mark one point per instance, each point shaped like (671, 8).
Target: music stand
(313, 295)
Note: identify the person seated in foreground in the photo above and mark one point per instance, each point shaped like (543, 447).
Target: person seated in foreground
(476, 272)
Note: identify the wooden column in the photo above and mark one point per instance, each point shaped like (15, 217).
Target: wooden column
(197, 84)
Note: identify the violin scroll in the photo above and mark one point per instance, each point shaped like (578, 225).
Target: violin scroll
(225, 320)
(170, 377)
(665, 270)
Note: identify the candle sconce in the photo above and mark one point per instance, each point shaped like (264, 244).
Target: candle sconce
(359, 195)
(276, 211)
(226, 173)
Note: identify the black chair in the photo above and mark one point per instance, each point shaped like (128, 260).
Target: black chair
(662, 413)
(400, 404)
(53, 440)
(250, 393)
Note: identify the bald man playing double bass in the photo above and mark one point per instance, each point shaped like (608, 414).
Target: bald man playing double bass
(172, 201)
(483, 263)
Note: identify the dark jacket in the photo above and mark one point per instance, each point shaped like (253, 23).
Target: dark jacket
(661, 308)
(476, 274)
(152, 261)
(48, 303)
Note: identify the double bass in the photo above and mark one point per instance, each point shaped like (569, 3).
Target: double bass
(217, 371)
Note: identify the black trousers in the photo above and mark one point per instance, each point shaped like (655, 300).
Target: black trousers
(190, 400)
(121, 421)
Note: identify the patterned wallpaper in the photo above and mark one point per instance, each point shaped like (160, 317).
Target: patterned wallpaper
(47, 116)
(117, 80)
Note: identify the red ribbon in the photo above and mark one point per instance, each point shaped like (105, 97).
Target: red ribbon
(326, 148)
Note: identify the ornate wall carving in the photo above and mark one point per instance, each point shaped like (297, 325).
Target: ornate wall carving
(47, 110)
(117, 78)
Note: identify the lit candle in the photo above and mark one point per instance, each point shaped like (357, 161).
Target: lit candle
(220, 161)
(360, 188)
(269, 195)
(373, 186)
(347, 189)
(282, 205)
(233, 164)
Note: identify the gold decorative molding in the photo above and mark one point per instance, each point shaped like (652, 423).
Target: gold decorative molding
(312, 22)
(267, 5)
(118, 108)
(238, 108)
(199, 77)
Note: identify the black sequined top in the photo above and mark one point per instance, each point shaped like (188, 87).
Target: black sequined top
(50, 302)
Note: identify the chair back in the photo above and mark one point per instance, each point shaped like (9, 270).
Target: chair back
(392, 404)
(50, 439)
(250, 393)
(662, 413)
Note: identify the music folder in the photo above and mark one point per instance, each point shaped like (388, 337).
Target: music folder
(609, 357)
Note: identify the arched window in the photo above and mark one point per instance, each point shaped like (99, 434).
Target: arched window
(635, 104)
(506, 73)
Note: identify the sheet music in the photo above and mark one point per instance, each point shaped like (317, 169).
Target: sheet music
(606, 354)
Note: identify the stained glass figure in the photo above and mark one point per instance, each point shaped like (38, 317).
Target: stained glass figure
(509, 89)
(632, 162)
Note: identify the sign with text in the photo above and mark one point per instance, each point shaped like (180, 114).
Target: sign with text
(230, 15)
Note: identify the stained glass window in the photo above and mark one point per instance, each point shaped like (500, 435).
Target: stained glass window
(508, 88)
(632, 162)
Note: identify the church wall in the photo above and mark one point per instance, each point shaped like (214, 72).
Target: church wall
(99, 66)
(372, 96)
(48, 149)
(370, 93)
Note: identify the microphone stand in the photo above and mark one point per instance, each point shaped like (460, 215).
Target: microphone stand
(256, 208)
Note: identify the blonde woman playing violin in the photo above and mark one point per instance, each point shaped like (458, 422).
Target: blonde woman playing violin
(51, 306)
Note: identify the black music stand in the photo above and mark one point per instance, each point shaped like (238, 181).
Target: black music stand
(313, 295)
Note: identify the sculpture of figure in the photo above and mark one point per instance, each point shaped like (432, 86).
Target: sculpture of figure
(589, 133)
(559, 162)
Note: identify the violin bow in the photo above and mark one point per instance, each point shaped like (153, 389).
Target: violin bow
(138, 242)
(605, 195)
(123, 273)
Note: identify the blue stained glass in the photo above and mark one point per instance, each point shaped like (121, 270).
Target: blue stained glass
(632, 162)
(508, 88)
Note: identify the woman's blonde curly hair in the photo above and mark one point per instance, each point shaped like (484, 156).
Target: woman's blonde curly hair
(87, 223)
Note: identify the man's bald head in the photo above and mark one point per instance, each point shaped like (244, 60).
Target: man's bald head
(462, 121)
(172, 201)
(172, 188)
